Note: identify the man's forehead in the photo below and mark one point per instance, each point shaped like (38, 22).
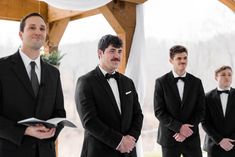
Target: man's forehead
(183, 54)
(226, 71)
(113, 47)
(35, 20)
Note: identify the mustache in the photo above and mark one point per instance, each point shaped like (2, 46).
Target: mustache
(115, 59)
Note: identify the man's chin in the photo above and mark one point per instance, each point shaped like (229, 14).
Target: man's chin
(116, 65)
(37, 46)
(115, 68)
(182, 68)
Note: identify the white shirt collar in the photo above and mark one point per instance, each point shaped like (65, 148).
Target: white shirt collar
(176, 75)
(27, 60)
(103, 71)
(220, 89)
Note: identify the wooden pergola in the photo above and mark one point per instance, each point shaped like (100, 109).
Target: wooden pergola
(121, 14)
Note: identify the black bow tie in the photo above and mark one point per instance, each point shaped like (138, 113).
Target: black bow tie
(179, 78)
(108, 76)
(223, 91)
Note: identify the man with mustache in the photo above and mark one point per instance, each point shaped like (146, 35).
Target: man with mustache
(108, 106)
(179, 105)
(219, 119)
(29, 87)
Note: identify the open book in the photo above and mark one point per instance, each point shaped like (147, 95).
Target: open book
(51, 123)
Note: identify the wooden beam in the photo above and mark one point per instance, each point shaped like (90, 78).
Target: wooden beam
(56, 31)
(55, 14)
(86, 14)
(135, 1)
(122, 17)
(16, 9)
(229, 3)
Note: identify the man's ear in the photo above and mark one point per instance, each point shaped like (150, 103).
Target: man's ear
(99, 53)
(170, 60)
(21, 35)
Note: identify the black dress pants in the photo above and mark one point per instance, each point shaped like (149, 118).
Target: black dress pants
(182, 149)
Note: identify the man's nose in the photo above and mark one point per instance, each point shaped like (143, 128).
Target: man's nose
(116, 54)
(38, 31)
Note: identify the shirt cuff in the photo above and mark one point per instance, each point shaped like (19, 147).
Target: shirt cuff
(119, 143)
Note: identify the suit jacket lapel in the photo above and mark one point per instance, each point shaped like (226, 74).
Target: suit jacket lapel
(174, 87)
(218, 103)
(21, 73)
(42, 89)
(104, 83)
(187, 88)
(229, 102)
(121, 94)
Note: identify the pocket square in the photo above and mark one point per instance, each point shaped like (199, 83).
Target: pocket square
(128, 92)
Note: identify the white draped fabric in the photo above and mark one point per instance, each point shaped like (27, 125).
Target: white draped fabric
(81, 5)
(135, 65)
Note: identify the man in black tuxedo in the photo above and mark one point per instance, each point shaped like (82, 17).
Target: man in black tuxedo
(179, 105)
(108, 106)
(220, 116)
(29, 87)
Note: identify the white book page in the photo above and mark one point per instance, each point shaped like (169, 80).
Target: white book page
(31, 120)
(55, 120)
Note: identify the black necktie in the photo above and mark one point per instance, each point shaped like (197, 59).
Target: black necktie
(223, 91)
(34, 78)
(179, 78)
(108, 76)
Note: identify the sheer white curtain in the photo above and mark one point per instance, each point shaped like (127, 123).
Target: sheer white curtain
(81, 5)
(135, 65)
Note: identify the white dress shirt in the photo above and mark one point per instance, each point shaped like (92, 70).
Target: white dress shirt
(223, 99)
(27, 60)
(180, 84)
(114, 86)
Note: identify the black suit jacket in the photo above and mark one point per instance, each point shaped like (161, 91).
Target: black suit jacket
(216, 125)
(172, 112)
(99, 114)
(17, 102)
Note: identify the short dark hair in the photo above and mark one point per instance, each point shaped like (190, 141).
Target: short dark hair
(109, 39)
(222, 68)
(176, 50)
(22, 21)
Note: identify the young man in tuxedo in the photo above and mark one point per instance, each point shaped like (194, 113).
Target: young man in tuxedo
(220, 116)
(179, 105)
(29, 88)
(108, 106)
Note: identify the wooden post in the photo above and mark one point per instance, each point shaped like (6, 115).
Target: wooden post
(122, 17)
(229, 3)
(56, 31)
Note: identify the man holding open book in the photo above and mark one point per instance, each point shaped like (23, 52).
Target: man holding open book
(29, 87)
